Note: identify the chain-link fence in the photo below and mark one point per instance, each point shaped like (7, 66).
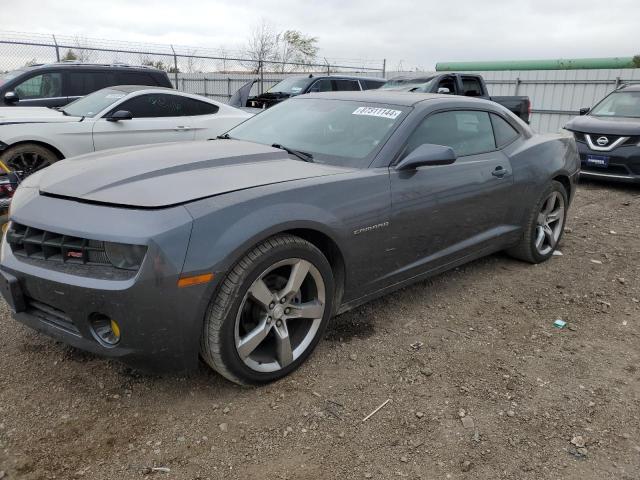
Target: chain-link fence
(215, 73)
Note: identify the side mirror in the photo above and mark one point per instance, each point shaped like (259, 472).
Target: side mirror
(427, 155)
(444, 90)
(11, 97)
(120, 115)
(585, 110)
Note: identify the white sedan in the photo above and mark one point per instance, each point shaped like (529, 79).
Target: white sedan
(33, 138)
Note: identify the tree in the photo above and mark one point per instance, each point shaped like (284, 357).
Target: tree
(70, 56)
(262, 45)
(636, 61)
(265, 44)
(159, 64)
(295, 47)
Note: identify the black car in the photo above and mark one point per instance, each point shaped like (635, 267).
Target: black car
(56, 84)
(608, 136)
(466, 84)
(300, 84)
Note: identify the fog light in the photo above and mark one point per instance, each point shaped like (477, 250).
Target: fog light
(105, 329)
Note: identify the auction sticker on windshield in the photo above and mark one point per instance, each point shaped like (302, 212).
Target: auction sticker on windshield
(377, 112)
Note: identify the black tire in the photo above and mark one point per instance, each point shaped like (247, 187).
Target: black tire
(218, 343)
(28, 158)
(526, 249)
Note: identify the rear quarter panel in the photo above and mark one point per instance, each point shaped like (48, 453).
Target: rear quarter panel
(536, 162)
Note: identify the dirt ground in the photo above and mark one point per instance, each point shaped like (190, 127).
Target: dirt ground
(481, 384)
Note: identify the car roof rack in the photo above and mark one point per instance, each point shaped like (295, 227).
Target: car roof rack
(93, 64)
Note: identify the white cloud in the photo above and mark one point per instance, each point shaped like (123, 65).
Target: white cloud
(418, 32)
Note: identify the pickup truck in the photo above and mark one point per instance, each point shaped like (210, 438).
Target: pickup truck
(465, 84)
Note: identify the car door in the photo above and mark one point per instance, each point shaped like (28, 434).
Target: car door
(41, 90)
(443, 213)
(157, 118)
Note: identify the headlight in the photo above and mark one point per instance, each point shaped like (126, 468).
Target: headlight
(125, 256)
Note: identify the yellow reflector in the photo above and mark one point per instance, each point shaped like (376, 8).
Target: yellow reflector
(5, 226)
(195, 280)
(115, 328)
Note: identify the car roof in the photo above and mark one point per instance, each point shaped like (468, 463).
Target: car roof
(390, 97)
(137, 88)
(348, 77)
(630, 88)
(81, 65)
(415, 76)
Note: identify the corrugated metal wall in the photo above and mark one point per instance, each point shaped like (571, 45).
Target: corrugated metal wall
(557, 95)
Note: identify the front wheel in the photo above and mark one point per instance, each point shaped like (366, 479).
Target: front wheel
(270, 311)
(28, 158)
(544, 227)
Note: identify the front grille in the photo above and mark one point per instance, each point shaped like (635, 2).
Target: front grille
(51, 315)
(39, 244)
(613, 169)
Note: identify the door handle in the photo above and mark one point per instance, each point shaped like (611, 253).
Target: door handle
(499, 172)
(182, 128)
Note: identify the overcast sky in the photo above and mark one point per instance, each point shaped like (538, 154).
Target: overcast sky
(417, 33)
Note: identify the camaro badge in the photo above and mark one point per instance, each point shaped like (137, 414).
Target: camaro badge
(370, 228)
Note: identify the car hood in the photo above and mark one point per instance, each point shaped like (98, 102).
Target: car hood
(605, 125)
(157, 176)
(13, 115)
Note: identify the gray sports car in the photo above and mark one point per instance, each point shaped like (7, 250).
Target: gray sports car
(241, 248)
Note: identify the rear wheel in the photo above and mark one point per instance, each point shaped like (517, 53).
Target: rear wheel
(28, 158)
(270, 311)
(544, 227)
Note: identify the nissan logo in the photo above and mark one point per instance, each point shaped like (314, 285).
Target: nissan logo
(602, 141)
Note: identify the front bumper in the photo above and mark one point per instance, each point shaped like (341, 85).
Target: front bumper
(623, 163)
(160, 323)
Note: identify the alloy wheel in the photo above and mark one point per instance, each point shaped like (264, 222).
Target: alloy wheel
(280, 315)
(27, 163)
(550, 223)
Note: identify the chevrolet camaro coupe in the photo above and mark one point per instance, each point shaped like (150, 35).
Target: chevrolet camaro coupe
(241, 249)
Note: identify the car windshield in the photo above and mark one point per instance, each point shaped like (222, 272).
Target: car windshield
(94, 103)
(334, 131)
(291, 85)
(408, 84)
(619, 104)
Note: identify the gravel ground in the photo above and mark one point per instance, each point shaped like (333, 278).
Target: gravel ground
(480, 382)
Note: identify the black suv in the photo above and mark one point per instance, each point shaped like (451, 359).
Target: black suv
(300, 84)
(608, 136)
(56, 84)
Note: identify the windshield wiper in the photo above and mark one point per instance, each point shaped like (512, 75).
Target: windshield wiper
(224, 136)
(304, 156)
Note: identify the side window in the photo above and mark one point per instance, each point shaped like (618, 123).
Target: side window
(323, 85)
(46, 85)
(136, 78)
(471, 87)
(193, 107)
(165, 105)
(347, 85)
(372, 84)
(84, 82)
(153, 106)
(449, 83)
(467, 132)
(503, 131)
